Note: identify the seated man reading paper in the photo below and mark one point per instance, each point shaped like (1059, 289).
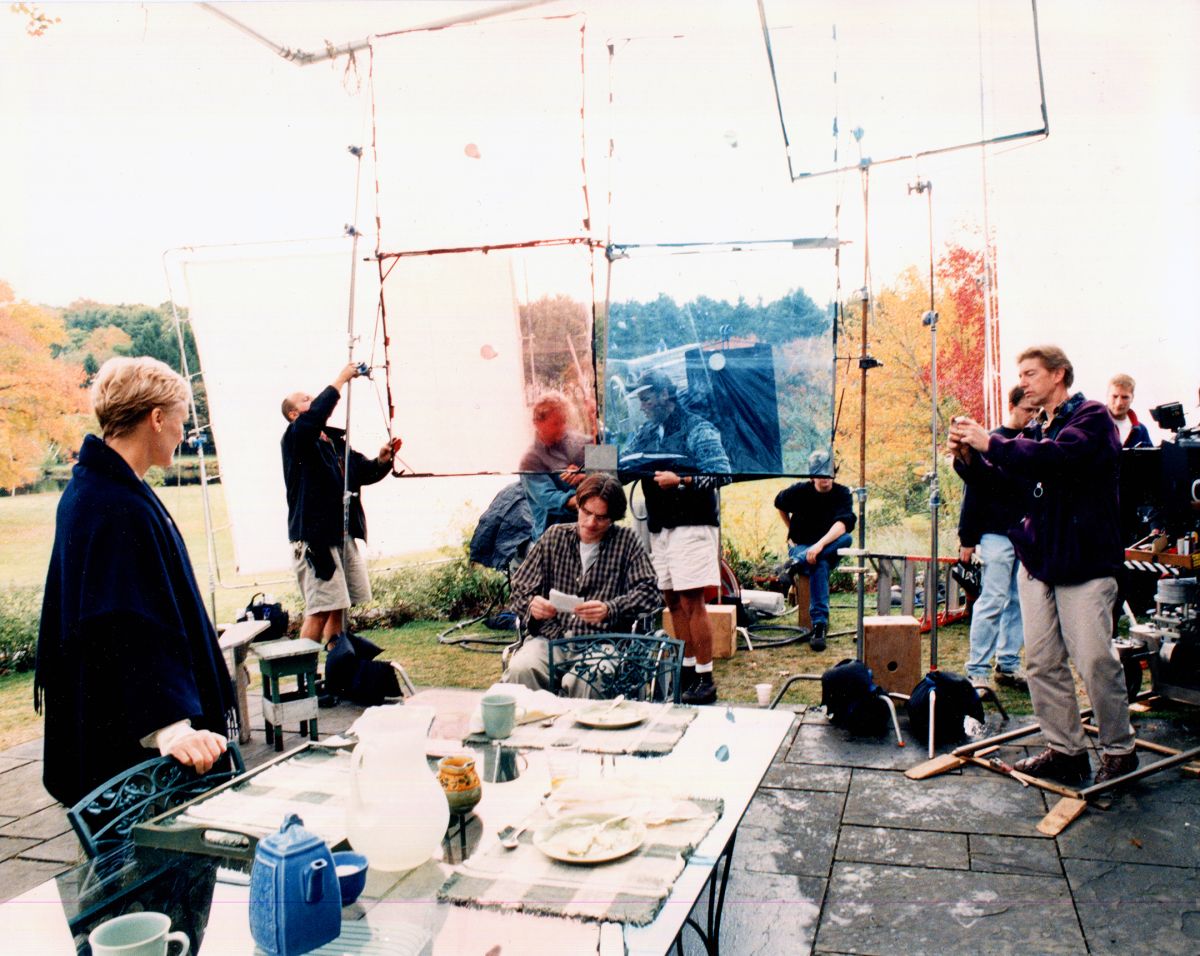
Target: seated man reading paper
(599, 572)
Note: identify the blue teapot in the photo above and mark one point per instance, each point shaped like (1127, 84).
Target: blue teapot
(295, 901)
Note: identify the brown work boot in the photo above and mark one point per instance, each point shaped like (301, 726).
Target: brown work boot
(1066, 768)
(1116, 765)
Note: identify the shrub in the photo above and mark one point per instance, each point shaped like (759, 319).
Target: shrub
(20, 610)
(451, 590)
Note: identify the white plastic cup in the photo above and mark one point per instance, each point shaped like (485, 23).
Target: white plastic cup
(764, 694)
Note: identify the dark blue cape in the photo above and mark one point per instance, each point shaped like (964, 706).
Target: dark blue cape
(126, 646)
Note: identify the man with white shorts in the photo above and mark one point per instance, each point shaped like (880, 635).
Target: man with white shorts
(329, 565)
(683, 515)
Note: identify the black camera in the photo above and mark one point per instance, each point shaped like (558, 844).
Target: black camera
(1168, 416)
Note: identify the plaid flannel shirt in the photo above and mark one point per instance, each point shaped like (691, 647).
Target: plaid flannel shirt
(621, 576)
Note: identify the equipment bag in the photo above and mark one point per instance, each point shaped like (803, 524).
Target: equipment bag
(957, 700)
(351, 671)
(259, 610)
(853, 700)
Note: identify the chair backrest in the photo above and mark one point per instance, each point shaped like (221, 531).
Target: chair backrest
(640, 666)
(105, 818)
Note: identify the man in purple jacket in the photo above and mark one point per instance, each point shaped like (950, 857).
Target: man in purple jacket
(1070, 549)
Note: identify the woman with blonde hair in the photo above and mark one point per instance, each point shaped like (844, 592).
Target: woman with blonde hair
(128, 664)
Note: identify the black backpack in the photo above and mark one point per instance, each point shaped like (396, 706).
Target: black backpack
(957, 699)
(352, 672)
(259, 610)
(853, 700)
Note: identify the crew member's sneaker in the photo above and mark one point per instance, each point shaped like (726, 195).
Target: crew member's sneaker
(817, 641)
(1066, 768)
(1014, 679)
(1116, 765)
(704, 691)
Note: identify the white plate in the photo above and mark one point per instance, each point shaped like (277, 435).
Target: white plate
(612, 842)
(608, 717)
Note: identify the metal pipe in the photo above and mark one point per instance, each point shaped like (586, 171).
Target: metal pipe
(304, 58)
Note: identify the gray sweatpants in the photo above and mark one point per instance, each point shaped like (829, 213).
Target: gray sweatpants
(1074, 620)
(530, 666)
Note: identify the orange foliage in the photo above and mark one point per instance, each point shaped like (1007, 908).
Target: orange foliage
(42, 401)
(899, 446)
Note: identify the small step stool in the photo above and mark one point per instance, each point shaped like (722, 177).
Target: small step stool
(288, 658)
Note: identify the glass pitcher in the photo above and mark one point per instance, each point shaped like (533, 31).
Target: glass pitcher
(397, 812)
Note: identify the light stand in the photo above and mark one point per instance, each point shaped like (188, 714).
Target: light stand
(352, 231)
(930, 319)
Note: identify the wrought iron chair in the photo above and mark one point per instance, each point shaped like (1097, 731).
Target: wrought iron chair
(640, 666)
(105, 818)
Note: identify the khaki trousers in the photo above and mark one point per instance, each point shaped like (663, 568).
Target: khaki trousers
(1074, 620)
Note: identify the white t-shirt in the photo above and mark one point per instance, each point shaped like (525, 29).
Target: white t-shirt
(587, 554)
(1124, 427)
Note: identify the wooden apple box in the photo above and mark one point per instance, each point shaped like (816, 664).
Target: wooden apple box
(722, 618)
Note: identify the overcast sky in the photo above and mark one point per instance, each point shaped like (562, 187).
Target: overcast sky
(130, 129)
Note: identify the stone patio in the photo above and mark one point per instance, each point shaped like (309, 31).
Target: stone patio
(841, 853)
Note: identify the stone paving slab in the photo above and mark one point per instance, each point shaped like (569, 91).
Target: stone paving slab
(21, 791)
(62, 849)
(1128, 908)
(30, 750)
(765, 913)
(1003, 854)
(14, 846)
(1156, 821)
(18, 875)
(974, 801)
(794, 776)
(895, 909)
(903, 847)
(789, 831)
(8, 763)
(42, 825)
(832, 746)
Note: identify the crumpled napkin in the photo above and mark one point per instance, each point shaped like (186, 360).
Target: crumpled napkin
(652, 805)
(537, 704)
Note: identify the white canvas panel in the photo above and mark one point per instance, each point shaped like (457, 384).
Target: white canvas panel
(479, 134)
(273, 320)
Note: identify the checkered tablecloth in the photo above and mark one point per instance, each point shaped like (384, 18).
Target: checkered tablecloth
(313, 784)
(655, 736)
(629, 890)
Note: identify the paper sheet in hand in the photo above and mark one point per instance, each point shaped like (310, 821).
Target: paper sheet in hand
(564, 603)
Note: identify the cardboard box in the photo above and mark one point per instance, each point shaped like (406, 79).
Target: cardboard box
(892, 649)
(722, 618)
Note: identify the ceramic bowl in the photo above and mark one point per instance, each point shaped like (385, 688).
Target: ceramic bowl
(351, 869)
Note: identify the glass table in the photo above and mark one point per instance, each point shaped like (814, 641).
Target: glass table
(724, 754)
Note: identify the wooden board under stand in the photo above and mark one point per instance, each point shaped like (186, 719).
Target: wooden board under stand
(1062, 815)
(722, 618)
(892, 649)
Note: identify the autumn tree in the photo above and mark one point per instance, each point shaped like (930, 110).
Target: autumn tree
(43, 405)
(899, 442)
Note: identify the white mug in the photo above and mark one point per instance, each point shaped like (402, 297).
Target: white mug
(136, 934)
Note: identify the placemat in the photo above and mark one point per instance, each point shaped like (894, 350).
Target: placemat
(629, 890)
(312, 783)
(655, 736)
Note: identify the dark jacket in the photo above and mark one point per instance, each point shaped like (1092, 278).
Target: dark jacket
(1139, 436)
(696, 446)
(312, 472)
(125, 646)
(1071, 533)
(812, 513)
(989, 506)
